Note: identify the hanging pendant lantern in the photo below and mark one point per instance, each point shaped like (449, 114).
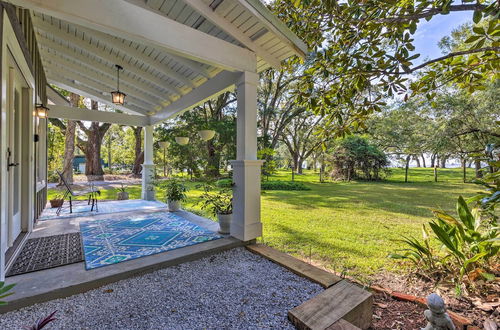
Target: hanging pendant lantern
(117, 96)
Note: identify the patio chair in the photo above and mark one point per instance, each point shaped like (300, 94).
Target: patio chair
(91, 193)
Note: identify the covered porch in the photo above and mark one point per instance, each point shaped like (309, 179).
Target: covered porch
(175, 55)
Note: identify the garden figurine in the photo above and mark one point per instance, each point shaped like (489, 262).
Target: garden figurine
(437, 318)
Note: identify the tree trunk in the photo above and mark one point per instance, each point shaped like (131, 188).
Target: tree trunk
(407, 166)
(139, 154)
(464, 169)
(213, 164)
(477, 168)
(417, 160)
(433, 160)
(300, 163)
(92, 147)
(423, 160)
(69, 143)
(443, 161)
(110, 165)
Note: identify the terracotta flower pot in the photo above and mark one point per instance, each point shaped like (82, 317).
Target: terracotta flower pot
(56, 203)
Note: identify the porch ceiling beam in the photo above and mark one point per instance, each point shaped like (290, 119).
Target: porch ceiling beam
(90, 93)
(66, 54)
(72, 113)
(123, 48)
(220, 21)
(72, 71)
(110, 58)
(133, 22)
(55, 97)
(219, 84)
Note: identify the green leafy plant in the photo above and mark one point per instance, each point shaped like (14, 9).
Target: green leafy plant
(469, 241)
(217, 201)
(283, 185)
(4, 292)
(175, 190)
(122, 188)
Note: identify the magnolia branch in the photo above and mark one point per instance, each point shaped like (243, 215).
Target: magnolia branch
(432, 12)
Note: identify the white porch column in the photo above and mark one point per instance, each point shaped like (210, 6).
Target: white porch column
(148, 192)
(246, 223)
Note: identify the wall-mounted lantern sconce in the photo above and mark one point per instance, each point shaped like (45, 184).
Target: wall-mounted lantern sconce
(41, 111)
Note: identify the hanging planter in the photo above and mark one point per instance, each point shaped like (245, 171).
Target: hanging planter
(206, 134)
(182, 140)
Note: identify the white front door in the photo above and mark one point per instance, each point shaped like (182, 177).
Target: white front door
(17, 87)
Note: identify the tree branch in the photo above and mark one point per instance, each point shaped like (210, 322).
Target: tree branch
(432, 12)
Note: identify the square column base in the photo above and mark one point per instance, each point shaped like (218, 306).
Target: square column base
(246, 224)
(148, 190)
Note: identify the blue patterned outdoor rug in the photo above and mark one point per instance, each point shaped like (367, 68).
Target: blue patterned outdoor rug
(107, 242)
(81, 209)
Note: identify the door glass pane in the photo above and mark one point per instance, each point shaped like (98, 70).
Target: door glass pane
(16, 152)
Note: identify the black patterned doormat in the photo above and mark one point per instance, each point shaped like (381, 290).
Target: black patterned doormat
(48, 252)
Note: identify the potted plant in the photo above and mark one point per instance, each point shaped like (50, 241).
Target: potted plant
(220, 203)
(122, 193)
(175, 193)
(57, 201)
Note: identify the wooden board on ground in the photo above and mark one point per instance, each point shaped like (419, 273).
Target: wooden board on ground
(344, 300)
(342, 325)
(299, 267)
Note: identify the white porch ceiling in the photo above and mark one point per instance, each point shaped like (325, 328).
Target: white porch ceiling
(164, 70)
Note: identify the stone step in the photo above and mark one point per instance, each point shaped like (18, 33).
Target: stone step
(343, 301)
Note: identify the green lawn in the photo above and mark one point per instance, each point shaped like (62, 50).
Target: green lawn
(349, 227)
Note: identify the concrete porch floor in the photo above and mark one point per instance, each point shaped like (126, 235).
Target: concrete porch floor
(63, 281)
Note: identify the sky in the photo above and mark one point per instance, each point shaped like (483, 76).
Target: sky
(429, 33)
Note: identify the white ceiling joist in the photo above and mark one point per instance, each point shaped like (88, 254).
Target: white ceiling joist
(232, 30)
(72, 70)
(92, 83)
(219, 84)
(129, 21)
(67, 112)
(124, 49)
(110, 58)
(91, 94)
(55, 50)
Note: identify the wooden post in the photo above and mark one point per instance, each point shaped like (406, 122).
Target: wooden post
(435, 174)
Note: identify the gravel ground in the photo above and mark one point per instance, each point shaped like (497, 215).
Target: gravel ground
(231, 290)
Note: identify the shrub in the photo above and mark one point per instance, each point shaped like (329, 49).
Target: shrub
(267, 185)
(224, 183)
(52, 177)
(356, 158)
(283, 185)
